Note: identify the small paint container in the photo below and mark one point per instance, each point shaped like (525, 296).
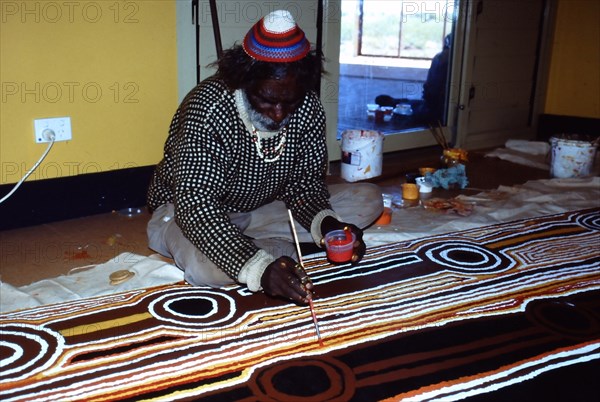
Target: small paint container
(386, 216)
(339, 247)
(424, 185)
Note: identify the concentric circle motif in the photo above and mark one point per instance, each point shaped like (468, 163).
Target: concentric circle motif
(193, 307)
(304, 380)
(466, 257)
(564, 318)
(26, 350)
(589, 221)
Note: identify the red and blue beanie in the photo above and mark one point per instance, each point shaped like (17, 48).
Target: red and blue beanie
(277, 39)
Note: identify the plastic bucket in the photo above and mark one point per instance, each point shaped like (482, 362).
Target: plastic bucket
(361, 154)
(339, 247)
(571, 158)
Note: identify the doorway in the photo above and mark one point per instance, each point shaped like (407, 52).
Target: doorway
(394, 64)
(495, 77)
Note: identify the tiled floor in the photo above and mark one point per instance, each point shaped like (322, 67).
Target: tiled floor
(34, 253)
(46, 251)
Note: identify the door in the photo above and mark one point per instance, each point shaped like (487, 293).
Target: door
(383, 59)
(500, 82)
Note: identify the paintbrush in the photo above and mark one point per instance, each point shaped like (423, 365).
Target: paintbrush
(310, 302)
(443, 137)
(439, 135)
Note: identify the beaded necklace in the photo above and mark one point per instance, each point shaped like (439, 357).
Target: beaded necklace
(269, 154)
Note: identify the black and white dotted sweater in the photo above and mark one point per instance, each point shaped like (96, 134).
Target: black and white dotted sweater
(211, 167)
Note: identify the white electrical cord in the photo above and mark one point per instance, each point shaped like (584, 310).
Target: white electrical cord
(48, 134)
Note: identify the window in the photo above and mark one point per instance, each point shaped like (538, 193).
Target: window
(398, 29)
(394, 64)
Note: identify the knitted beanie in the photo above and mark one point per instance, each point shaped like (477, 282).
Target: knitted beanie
(277, 39)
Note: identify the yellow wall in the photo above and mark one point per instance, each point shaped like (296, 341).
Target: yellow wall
(109, 65)
(574, 80)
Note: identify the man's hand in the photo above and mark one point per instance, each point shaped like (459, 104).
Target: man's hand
(286, 278)
(330, 223)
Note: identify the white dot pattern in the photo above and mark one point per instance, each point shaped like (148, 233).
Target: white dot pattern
(210, 168)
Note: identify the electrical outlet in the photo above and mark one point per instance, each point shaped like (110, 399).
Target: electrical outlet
(61, 126)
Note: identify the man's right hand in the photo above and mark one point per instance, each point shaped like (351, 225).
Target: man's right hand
(285, 278)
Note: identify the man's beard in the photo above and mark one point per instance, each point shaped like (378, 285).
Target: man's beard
(262, 122)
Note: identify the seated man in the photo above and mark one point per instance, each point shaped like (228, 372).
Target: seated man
(244, 147)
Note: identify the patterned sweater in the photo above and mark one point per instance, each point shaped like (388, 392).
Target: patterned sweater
(211, 167)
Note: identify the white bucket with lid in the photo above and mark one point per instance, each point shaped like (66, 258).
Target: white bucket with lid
(571, 157)
(362, 154)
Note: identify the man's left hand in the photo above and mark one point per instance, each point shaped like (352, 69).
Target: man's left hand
(329, 224)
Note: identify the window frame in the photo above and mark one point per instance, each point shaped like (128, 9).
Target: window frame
(396, 141)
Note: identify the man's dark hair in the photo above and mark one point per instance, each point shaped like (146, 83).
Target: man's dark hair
(239, 71)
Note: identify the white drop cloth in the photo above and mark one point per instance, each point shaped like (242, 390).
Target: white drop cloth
(83, 283)
(534, 198)
(522, 152)
(536, 154)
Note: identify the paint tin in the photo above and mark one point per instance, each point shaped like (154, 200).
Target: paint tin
(410, 191)
(362, 154)
(571, 157)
